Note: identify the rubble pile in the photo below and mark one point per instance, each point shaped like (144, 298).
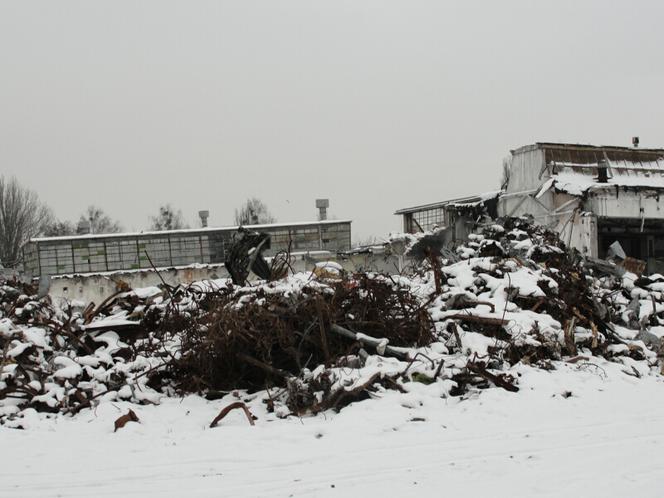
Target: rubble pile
(512, 295)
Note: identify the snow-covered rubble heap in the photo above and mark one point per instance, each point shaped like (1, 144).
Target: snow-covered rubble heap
(512, 297)
(209, 337)
(51, 363)
(518, 295)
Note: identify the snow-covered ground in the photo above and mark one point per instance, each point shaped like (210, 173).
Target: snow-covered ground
(580, 431)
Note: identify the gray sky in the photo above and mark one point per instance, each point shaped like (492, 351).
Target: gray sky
(375, 104)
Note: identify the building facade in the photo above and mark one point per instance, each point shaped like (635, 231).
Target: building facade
(592, 195)
(457, 213)
(81, 254)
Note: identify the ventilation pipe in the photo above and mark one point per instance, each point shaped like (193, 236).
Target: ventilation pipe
(204, 215)
(602, 171)
(322, 205)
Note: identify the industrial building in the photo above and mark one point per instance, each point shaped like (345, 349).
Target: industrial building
(592, 195)
(52, 256)
(446, 213)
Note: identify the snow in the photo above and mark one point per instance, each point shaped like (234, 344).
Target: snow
(185, 231)
(525, 280)
(7, 327)
(110, 322)
(588, 427)
(147, 292)
(331, 266)
(70, 369)
(583, 430)
(112, 341)
(17, 349)
(36, 336)
(576, 183)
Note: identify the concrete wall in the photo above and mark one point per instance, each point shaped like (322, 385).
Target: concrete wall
(95, 288)
(625, 203)
(579, 230)
(556, 210)
(525, 172)
(378, 261)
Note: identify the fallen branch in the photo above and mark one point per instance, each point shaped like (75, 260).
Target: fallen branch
(380, 345)
(570, 343)
(130, 416)
(482, 320)
(577, 359)
(264, 366)
(342, 397)
(232, 406)
(498, 380)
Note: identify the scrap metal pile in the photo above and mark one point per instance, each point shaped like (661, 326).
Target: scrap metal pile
(314, 341)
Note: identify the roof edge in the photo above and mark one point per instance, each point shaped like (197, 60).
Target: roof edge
(460, 200)
(192, 231)
(562, 145)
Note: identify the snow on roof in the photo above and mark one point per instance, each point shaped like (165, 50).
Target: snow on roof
(461, 201)
(185, 231)
(576, 179)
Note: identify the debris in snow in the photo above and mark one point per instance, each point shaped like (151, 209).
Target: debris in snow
(233, 406)
(130, 416)
(464, 320)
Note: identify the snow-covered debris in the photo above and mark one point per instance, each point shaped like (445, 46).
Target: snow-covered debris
(512, 297)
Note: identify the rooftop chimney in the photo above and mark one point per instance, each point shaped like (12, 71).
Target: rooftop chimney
(322, 205)
(635, 141)
(204, 217)
(602, 171)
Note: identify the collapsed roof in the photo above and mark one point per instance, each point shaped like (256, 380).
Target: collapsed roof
(485, 199)
(574, 169)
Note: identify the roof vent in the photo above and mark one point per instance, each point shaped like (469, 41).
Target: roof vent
(602, 171)
(204, 215)
(635, 141)
(322, 205)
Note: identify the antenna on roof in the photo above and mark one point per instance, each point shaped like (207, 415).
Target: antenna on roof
(635, 141)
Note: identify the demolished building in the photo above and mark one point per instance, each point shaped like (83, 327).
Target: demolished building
(593, 196)
(458, 213)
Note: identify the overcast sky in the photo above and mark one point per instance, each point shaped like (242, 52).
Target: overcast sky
(377, 105)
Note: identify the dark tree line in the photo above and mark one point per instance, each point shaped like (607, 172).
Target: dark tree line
(23, 216)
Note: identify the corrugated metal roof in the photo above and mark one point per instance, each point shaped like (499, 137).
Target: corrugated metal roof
(582, 153)
(473, 199)
(576, 183)
(574, 167)
(577, 178)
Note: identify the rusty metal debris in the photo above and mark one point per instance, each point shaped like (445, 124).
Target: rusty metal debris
(130, 416)
(302, 334)
(229, 408)
(245, 254)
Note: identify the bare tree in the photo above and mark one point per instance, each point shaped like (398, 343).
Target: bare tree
(59, 228)
(168, 219)
(366, 242)
(253, 212)
(94, 220)
(22, 216)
